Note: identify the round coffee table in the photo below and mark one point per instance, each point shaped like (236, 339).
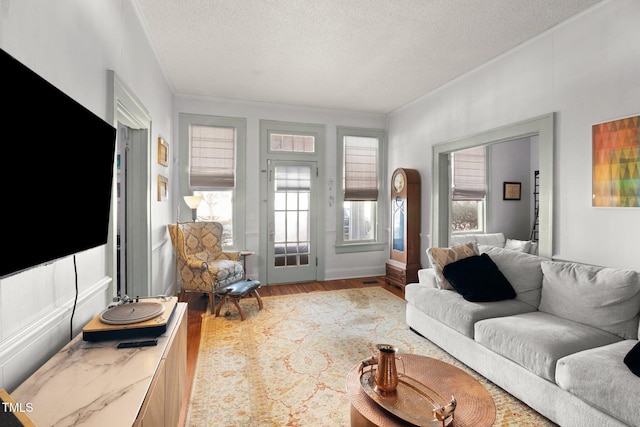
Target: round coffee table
(475, 405)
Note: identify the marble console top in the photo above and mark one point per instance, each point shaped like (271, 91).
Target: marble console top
(94, 383)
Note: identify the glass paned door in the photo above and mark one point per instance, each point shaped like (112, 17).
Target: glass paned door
(291, 225)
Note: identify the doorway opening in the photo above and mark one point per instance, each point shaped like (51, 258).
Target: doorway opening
(129, 245)
(291, 213)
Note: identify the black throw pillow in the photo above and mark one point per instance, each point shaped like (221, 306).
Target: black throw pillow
(632, 359)
(478, 279)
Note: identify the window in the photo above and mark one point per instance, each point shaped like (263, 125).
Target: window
(217, 205)
(214, 147)
(469, 190)
(279, 142)
(212, 170)
(212, 156)
(360, 166)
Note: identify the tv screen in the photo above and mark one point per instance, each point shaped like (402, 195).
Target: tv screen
(57, 174)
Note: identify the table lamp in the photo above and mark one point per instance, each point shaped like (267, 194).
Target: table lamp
(193, 202)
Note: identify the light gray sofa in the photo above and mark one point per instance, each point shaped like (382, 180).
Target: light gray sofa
(496, 239)
(558, 345)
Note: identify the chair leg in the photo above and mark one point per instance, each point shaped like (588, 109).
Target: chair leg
(257, 295)
(223, 300)
(236, 302)
(212, 298)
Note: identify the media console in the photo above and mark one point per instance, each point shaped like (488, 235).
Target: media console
(97, 383)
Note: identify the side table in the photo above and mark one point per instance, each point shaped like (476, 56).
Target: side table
(244, 255)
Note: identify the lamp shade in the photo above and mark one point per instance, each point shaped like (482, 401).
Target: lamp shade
(192, 201)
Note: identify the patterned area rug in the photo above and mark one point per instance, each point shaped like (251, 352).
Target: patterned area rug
(286, 365)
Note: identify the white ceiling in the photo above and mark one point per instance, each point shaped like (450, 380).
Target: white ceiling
(359, 55)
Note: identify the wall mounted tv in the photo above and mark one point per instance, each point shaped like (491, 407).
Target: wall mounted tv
(57, 174)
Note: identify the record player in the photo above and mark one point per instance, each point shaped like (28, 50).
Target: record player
(131, 318)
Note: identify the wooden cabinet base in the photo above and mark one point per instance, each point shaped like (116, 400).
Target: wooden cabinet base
(394, 288)
(398, 275)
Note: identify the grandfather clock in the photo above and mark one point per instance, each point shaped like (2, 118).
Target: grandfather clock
(404, 263)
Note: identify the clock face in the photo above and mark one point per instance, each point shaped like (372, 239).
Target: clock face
(398, 182)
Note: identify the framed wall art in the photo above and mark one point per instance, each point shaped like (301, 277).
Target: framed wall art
(163, 188)
(511, 191)
(616, 163)
(163, 151)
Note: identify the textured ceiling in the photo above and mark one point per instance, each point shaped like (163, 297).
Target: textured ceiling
(359, 55)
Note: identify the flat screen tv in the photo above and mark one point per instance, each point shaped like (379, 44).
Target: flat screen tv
(57, 172)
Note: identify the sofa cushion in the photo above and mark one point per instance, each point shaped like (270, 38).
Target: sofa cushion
(439, 257)
(461, 239)
(518, 245)
(522, 270)
(448, 307)
(491, 239)
(478, 279)
(427, 276)
(632, 360)
(605, 298)
(599, 377)
(537, 340)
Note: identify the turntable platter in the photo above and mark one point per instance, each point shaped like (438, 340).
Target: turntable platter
(127, 314)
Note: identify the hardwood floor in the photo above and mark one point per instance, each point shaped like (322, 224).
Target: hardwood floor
(197, 307)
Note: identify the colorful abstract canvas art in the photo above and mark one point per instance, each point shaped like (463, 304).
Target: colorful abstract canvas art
(616, 163)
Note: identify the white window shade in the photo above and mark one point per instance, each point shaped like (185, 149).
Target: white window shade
(212, 155)
(469, 176)
(360, 168)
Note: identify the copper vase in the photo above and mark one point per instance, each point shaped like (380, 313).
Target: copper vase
(387, 373)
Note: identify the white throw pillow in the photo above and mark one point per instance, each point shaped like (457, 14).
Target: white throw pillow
(518, 245)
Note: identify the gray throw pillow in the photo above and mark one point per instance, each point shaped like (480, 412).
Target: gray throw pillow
(522, 270)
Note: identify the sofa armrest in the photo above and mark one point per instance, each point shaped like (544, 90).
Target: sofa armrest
(427, 276)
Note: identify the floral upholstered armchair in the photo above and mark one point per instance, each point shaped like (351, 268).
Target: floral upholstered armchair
(201, 263)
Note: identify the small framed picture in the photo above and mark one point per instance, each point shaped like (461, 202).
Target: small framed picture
(163, 188)
(163, 151)
(511, 191)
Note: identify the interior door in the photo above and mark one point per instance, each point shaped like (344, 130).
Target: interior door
(291, 224)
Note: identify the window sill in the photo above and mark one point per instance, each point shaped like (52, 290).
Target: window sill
(345, 248)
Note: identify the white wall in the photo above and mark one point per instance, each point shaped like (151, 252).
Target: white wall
(336, 265)
(585, 70)
(510, 162)
(72, 44)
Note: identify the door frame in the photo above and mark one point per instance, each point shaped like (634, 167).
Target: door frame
(313, 222)
(319, 131)
(544, 128)
(126, 109)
